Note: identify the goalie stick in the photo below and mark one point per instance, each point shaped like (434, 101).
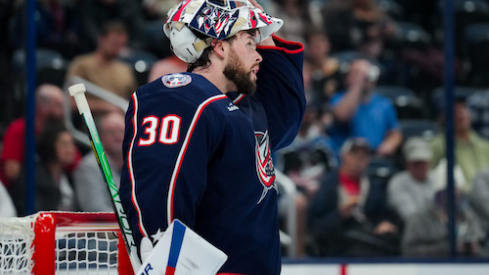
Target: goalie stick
(78, 92)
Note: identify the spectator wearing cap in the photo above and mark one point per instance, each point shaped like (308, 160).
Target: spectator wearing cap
(412, 189)
(471, 151)
(348, 215)
(360, 113)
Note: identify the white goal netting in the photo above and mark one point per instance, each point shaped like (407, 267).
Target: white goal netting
(83, 243)
(16, 237)
(86, 253)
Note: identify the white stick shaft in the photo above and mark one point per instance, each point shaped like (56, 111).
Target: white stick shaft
(78, 92)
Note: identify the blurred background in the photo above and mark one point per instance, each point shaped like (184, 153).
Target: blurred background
(366, 175)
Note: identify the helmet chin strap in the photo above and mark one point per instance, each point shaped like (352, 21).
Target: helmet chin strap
(202, 44)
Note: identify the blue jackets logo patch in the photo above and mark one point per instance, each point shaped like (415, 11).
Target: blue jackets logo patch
(264, 164)
(176, 80)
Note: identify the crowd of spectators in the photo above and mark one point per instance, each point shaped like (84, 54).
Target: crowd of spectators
(369, 161)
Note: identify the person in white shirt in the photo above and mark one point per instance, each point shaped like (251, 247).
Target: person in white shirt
(7, 208)
(413, 189)
(91, 189)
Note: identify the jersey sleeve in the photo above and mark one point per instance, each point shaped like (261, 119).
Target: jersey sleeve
(280, 89)
(166, 148)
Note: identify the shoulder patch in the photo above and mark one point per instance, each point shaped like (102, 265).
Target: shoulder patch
(176, 80)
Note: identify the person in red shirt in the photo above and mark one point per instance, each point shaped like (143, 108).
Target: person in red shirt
(348, 216)
(49, 107)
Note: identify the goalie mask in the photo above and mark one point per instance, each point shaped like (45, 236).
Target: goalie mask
(216, 20)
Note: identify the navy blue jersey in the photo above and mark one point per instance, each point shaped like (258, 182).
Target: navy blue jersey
(195, 154)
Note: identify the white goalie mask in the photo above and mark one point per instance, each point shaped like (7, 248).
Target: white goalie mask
(215, 19)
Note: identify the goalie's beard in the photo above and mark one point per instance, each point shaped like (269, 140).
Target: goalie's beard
(237, 73)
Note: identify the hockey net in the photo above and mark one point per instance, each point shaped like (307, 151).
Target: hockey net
(62, 243)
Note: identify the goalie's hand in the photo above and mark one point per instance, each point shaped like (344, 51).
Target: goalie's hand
(256, 5)
(269, 40)
(145, 248)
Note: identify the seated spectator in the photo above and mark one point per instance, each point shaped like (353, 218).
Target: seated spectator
(478, 104)
(425, 67)
(324, 68)
(440, 175)
(56, 26)
(49, 107)
(305, 161)
(348, 215)
(90, 186)
(412, 190)
(350, 21)
(360, 113)
(95, 14)
(300, 16)
(157, 9)
(171, 64)
(308, 157)
(56, 149)
(471, 151)
(103, 68)
(375, 49)
(426, 232)
(7, 208)
(479, 197)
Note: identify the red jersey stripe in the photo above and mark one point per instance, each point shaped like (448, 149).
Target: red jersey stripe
(181, 155)
(299, 49)
(131, 169)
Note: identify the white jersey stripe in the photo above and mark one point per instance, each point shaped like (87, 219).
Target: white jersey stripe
(238, 99)
(142, 229)
(178, 163)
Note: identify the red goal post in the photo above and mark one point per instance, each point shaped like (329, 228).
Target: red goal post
(62, 242)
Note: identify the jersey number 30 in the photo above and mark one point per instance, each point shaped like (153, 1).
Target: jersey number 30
(168, 132)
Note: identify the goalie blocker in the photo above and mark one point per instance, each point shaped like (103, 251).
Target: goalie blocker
(182, 249)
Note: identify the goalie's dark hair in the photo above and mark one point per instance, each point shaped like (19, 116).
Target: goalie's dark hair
(204, 60)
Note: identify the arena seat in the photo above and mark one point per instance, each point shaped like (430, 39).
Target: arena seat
(407, 104)
(426, 129)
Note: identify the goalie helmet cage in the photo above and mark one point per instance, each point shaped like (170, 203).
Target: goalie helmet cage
(51, 243)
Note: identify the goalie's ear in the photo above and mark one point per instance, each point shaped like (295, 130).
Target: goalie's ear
(145, 248)
(220, 48)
